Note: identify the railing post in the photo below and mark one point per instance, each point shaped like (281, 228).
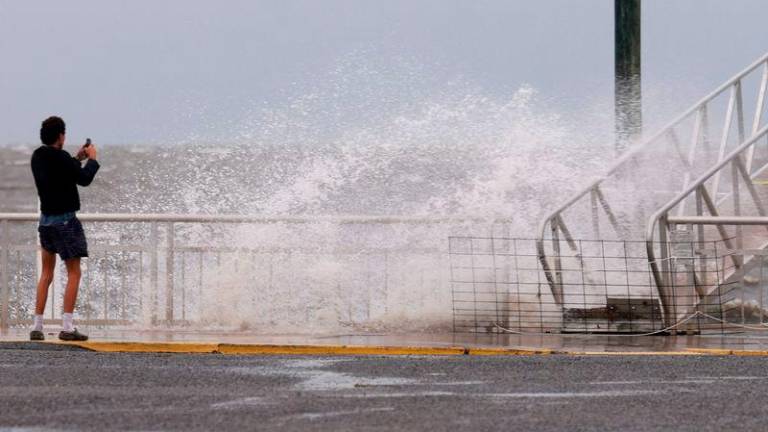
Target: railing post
(695, 139)
(703, 277)
(665, 296)
(169, 264)
(608, 212)
(5, 289)
(724, 137)
(705, 132)
(386, 281)
(740, 113)
(154, 271)
(737, 202)
(558, 276)
(756, 120)
(595, 213)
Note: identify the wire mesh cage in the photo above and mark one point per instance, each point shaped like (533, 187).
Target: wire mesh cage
(605, 286)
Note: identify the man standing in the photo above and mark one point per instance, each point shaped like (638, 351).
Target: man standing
(57, 175)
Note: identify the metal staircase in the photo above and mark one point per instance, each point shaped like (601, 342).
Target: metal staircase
(695, 192)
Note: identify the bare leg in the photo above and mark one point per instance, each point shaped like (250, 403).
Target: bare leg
(46, 277)
(73, 283)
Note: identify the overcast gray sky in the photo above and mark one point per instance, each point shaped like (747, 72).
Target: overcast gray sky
(162, 71)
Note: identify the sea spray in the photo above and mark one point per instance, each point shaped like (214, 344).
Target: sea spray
(448, 160)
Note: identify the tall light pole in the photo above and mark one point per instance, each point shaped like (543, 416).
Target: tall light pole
(628, 84)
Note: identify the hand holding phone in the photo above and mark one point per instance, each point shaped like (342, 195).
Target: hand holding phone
(81, 151)
(89, 150)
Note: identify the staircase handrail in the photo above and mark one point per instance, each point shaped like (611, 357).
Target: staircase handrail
(660, 217)
(553, 220)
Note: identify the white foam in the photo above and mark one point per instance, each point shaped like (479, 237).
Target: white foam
(364, 141)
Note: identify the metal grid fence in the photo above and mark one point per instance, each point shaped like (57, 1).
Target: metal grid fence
(498, 286)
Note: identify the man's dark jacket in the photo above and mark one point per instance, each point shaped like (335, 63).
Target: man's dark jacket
(57, 175)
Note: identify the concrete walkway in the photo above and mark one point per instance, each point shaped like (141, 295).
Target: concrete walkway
(184, 341)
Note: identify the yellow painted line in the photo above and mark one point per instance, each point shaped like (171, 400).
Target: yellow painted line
(736, 352)
(711, 351)
(629, 353)
(508, 351)
(760, 353)
(277, 349)
(337, 350)
(148, 347)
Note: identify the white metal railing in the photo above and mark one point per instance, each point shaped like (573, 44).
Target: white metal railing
(730, 209)
(233, 218)
(660, 161)
(146, 278)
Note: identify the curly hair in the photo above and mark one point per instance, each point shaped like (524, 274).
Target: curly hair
(50, 130)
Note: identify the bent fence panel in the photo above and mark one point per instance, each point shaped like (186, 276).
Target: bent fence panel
(499, 287)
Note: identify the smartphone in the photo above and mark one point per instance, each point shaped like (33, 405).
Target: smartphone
(81, 152)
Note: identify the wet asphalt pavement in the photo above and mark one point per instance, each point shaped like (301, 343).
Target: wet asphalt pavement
(76, 390)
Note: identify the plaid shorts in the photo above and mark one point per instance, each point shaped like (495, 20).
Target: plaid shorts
(64, 238)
